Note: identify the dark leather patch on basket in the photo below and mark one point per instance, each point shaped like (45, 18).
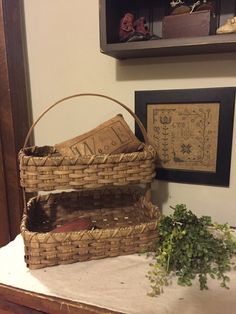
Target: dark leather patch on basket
(111, 137)
(75, 225)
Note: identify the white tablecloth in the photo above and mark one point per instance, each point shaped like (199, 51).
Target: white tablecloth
(114, 283)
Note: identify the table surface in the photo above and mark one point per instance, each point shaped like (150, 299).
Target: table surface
(111, 285)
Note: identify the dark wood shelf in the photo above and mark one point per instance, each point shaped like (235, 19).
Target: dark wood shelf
(155, 48)
(171, 47)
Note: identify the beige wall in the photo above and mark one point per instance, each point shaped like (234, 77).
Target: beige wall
(64, 58)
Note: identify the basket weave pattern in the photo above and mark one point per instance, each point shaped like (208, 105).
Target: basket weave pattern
(51, 172)
(125, 220)
(126, 224)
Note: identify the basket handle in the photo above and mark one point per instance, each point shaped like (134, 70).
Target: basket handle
(144, 133)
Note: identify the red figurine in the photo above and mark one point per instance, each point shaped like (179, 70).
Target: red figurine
(126, 27)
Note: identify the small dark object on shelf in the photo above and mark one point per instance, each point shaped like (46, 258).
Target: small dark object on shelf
(198, 23)
(179, 7)
(126, 27)
(141, 30)
(137, 30)
(206, 5)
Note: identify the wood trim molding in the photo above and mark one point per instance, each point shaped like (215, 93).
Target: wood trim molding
(11, 308)
(48, 304)
(4, 223)
(15, 115)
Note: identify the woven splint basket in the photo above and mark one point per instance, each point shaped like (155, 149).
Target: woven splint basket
(124, 218)
(44, 169)
(126, 223)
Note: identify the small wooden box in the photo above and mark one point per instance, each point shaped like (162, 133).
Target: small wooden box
(200, 23)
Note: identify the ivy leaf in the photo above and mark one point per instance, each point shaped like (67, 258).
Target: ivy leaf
(189, 246)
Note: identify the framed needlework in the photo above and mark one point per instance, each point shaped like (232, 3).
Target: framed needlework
(192, 132)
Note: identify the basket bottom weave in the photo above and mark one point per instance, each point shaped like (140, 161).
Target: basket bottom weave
(126, 223)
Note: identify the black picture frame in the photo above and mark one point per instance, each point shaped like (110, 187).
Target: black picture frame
(225, 96)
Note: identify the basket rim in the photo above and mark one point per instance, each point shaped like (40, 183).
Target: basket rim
(32, 234)
(148, 152)
(95, 234)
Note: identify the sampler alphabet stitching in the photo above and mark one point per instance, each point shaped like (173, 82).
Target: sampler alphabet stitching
(185, 135)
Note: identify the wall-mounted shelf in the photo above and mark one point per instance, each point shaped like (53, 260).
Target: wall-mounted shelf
(111, 12)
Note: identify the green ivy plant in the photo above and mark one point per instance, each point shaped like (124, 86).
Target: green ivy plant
(191, 247)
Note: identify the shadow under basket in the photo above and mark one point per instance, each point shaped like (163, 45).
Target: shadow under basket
(126, 223)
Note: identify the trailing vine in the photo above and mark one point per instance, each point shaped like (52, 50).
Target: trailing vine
(190, 247)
